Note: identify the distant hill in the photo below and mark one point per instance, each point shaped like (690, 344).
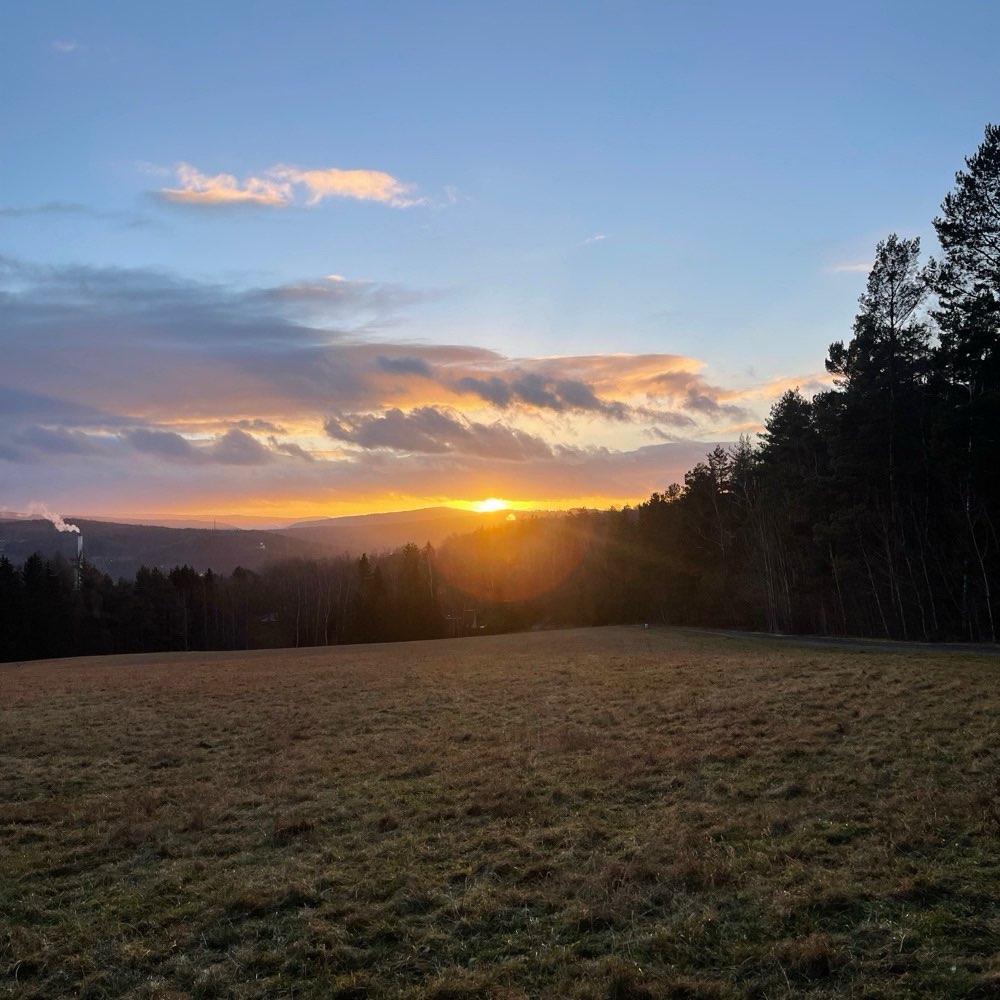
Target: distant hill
(390, 517)
(378, 532)
(119, 549)
(209, 524)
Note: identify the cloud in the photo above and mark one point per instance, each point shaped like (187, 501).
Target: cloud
(49, 208)
(290, 448)
(152, 169)
(165, 350)
(661, 435)
(54, 209)
(808, 383)
(363, 185)
(128, 386)
(580, 396)
(434, 431)
(19, 404)
(367, 480)
(326, 296)
(65, 46)
(259, 425)
(58, 441)
(168, 445)
(851, 268)
(404, 366)
(492, 390)
(539, 391)
(623, 375)
(197, 188)
(279, 187)
(236, 447)
(671, 417)
(590, 240)
(692, 393)
(536, 390)
(708, 404)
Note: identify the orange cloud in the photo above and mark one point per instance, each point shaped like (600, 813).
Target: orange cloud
(278, 186)
(365, 185)
(621, 375)
(224, 189)
(808, 384)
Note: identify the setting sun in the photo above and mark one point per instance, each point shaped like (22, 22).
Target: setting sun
(491, 504)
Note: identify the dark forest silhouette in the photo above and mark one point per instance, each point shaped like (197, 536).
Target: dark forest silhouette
(870, 509)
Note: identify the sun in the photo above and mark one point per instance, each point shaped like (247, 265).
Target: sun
(492, 504)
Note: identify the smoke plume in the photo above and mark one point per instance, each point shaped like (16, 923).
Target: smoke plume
(40, 510)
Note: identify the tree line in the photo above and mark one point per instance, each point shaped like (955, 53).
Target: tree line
(48, 609)
(870, 509)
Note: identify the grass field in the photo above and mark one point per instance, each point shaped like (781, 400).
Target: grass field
(606, 813)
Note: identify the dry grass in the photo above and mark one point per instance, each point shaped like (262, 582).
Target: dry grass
(610, 813)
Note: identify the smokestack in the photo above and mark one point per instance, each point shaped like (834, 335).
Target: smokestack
(78, 562)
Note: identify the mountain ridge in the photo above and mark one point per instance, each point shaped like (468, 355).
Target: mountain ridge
(119, 548)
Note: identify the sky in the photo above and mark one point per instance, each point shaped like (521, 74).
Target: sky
(326, 258)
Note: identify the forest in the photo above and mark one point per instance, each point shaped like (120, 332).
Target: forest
(870, 509)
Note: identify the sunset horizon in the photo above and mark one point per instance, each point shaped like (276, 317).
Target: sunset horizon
(499, 500)
(278, 513)
(238, 278)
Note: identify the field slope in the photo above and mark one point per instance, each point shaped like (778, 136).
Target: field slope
(600, 813)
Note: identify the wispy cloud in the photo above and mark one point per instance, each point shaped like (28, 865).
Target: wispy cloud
(284, 185)
(66, 45)
(70, 209)
(808, 383)
(49, 208)
(597, 238)
(152, 169)
(850, 268)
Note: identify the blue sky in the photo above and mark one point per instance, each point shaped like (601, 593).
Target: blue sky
(469, 191)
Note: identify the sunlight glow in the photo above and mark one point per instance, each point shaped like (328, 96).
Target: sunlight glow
(491, 504)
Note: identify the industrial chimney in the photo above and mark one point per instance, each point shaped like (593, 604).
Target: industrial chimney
(78, 563)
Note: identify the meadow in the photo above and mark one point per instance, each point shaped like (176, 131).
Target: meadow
(603, 813)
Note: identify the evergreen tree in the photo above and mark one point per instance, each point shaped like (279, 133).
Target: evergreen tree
(967, 282)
